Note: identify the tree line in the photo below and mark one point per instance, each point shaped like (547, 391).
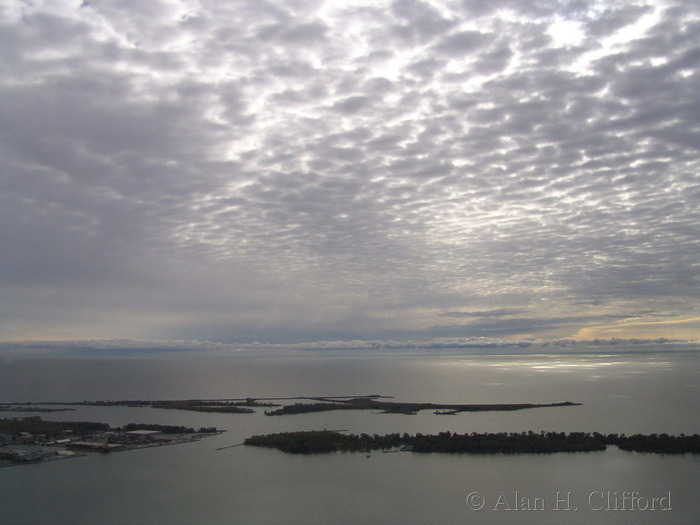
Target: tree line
(476, 443)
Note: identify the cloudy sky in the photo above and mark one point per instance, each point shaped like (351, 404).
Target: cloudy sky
(306, 170)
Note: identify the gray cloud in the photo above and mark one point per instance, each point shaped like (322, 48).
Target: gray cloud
(500, 312)
(305, 170)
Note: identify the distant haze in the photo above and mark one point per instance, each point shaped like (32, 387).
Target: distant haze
(289, 171)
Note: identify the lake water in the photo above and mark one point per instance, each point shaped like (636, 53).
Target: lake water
(650, 392)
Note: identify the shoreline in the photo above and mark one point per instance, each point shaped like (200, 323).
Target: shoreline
(326, 441)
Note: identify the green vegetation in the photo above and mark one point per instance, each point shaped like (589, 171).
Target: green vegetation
(317, 404)
(34, 425)
(475, 443)
(392, 407)
(304, 408)
(196, 405)
(658, 443)
(165, 429)
(202, 406)
(4, 407)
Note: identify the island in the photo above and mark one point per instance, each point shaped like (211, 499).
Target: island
(31, 439)
(302, 405)
(324, 441)
(392, 407)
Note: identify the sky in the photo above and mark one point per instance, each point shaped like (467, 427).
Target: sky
(308, 170)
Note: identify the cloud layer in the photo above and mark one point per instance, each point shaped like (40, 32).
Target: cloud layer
(291, 170)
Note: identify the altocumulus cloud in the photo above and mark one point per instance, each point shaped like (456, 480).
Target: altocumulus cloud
(289, 171)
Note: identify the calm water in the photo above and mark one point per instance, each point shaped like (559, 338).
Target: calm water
(194, 483)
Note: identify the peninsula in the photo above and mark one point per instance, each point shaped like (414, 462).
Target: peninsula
(31, 439)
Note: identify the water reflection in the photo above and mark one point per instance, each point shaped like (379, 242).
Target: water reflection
(623, 394)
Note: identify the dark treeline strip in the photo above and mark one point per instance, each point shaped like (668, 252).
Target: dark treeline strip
(229, 408)
(194, 405)
(17, 408)
(367, 403)
(305, 408)
(36, 426)
(475, 443)
(165, 429)
(317, 404)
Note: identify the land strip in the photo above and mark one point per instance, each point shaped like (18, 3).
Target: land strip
(325, 441)
(392, 407)
(306, 404)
